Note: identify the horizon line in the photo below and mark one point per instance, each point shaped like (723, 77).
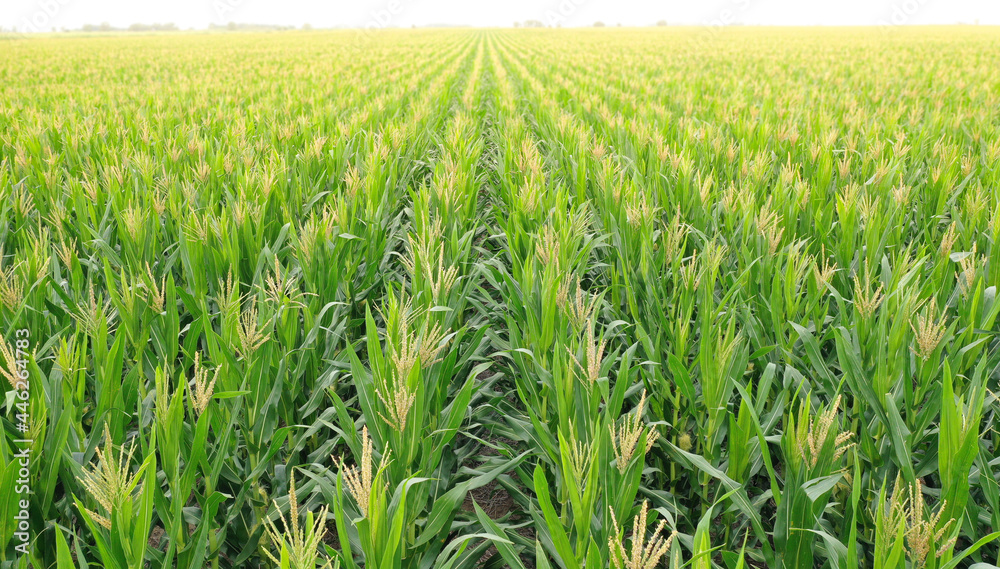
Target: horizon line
(307, 27)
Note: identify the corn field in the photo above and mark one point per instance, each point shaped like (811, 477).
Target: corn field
(501, 298)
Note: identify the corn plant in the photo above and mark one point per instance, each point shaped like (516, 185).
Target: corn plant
(485, 298)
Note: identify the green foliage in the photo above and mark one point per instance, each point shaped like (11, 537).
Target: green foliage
(456, 299)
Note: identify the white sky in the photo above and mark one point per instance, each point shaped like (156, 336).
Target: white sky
(46, 14)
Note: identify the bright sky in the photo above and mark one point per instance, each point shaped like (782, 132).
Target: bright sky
(43, 15)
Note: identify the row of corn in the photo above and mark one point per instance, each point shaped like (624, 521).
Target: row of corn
(463, 299)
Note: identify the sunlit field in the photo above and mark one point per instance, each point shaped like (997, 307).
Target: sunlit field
(421, 299)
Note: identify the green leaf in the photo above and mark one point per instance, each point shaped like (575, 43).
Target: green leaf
(503, 545)
(553, 525)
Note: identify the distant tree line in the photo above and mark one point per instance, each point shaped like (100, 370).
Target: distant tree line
(234, 27)
(540, 24)
(106, 27)
(172, 27)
